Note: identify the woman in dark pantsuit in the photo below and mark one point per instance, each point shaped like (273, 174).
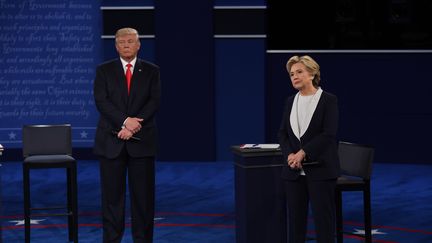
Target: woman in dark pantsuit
(307, 137)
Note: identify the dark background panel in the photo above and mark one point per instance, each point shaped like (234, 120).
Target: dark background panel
(349, 24)
(239, 21)
(295, 24)
(383, 100)
(139, 19)
(185, 52)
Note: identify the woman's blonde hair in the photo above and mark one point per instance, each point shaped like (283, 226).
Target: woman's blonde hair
(311, 66)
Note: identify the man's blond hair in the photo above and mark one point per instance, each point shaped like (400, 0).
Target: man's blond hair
(127, 31)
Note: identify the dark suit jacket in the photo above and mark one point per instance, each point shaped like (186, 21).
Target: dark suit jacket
(115, 105)
(319, 141)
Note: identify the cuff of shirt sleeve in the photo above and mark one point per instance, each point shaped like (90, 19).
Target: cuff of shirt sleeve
(124, 123)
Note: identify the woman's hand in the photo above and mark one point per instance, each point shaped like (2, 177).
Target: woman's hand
(294, 160)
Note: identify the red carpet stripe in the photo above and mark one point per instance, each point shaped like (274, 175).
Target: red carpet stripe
(194, 214)
(351, 223)
(195, 225)
(14, 227)
(373, 240)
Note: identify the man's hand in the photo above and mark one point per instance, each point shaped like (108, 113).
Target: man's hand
(124, 134)
(133, 124)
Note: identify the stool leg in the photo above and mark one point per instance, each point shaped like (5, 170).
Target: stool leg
(26, 184)
(367, 214)
(75, 202)
(339, 217)
(72, 203)
(69, 203)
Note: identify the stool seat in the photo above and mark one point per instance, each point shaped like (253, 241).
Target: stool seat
(346, 182)
(44, 159)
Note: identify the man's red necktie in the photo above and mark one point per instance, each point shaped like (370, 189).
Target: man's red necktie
(128, 76)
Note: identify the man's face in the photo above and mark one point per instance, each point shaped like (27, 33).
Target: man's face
(127, 46)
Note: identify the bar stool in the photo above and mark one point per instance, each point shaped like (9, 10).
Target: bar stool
(50, 146)
(356, 166)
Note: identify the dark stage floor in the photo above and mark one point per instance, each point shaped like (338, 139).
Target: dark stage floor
(195, 203)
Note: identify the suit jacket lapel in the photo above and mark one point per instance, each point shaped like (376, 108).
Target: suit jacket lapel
(293, 117)
(136, 82)
(120, 76)
(313, 108)
(293, 121)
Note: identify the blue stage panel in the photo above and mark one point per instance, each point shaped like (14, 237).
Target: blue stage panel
(240, 103)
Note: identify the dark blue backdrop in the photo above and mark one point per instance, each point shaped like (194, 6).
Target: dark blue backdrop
(217, 91)
(213, 88)
(383, 100)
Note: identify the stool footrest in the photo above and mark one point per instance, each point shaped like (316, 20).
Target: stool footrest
(51, 214)
(49, 208)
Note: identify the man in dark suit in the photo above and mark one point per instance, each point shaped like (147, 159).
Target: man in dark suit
(127, 95)
(307, 137)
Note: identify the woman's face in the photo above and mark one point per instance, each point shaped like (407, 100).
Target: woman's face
(300, 77)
